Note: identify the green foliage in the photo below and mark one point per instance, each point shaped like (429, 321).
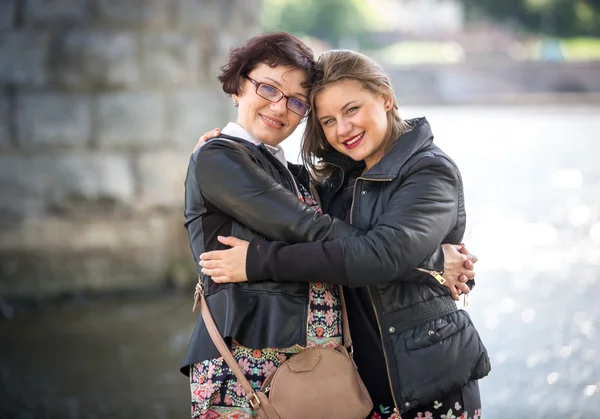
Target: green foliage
(329, 20)
(548, 17)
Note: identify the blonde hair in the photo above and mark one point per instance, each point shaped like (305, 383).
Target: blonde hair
(335, 66)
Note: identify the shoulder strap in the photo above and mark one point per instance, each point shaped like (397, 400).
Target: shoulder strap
(347, 338)
(222, 347)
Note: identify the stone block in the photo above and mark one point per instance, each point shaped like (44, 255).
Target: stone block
(192, 113)
(131, 119)
(7, 14)
(65, 256)
(91, 234)
(245, 16)
(4, 123)
(136, 13)
(21, 187)
(196, 14)
(23, 58)
(90, 184)
(52, 119)
(170, 59)
(223, 43)
(161, 177)
(97, 59)
(55, 11)
(74, 185)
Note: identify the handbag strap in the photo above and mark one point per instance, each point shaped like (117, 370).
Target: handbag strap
(223, 349)
(347, 338)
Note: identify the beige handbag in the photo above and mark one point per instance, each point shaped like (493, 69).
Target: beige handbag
(316, 383)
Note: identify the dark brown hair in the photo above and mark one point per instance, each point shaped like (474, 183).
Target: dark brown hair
(335, 66)
(273, 49)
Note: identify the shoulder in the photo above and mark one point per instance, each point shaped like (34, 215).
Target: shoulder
(432, 159)
(223, 148)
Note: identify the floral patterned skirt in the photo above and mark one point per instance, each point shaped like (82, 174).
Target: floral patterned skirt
(215, 390)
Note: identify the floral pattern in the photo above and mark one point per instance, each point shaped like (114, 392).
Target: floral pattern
(214, 388)
(449, 408)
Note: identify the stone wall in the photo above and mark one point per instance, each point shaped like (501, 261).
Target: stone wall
(101, 103)
(496, 82)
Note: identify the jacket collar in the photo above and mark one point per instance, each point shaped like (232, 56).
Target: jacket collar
(419, 137)
(296, 169)
(236, 130)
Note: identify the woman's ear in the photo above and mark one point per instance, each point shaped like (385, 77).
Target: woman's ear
(236, 100)
(388, 102)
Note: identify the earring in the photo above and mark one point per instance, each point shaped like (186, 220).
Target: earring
(236, 104)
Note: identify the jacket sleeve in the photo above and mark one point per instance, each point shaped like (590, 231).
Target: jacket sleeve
(229, 180)
(418, 217)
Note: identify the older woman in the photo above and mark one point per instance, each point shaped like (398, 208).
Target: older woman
(240, 184)
(418, 355)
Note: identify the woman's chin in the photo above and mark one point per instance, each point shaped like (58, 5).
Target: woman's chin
(353, 154)
(269, 137)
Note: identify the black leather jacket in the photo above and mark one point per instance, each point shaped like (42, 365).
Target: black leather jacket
(411, 201)
(235, 188)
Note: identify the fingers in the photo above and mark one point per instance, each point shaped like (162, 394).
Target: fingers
(471, 258)
(211, 264)
(214, 255)
(468, 269)
(463, 278)
(469, 274)
(454, 294)
(463, 288)
(464, 251)
(204, 138)
(211, 134)
(230, 241)
(213, 273)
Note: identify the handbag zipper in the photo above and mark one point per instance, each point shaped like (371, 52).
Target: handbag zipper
(396, 410)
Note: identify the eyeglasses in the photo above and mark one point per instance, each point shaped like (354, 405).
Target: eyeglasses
(273, 94)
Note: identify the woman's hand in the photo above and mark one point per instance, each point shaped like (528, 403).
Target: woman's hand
(459, 267)
(225, 266)
(207, 136)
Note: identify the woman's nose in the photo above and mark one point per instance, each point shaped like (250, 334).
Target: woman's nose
(344, 127)
(279, 107)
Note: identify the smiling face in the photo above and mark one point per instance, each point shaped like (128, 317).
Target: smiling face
(268, 121)
(354, 120)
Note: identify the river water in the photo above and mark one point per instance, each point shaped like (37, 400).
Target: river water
(532, 185)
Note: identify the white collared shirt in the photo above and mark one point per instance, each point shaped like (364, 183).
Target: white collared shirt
(236, 130)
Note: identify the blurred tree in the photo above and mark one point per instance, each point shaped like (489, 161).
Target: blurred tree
(549, 17)
(334, 21)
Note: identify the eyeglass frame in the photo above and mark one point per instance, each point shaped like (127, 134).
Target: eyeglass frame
(283, 95)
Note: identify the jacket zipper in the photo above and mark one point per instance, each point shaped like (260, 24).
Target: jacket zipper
(396, 411)
(387, 367)
(436, 274)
